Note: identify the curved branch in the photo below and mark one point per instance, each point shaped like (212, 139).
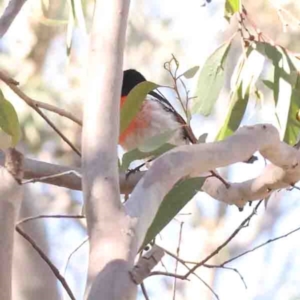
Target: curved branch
(196, 159)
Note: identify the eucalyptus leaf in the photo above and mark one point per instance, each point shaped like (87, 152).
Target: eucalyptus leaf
(133, 102)
(136, 154)
(190, 73)
(210, 81)
(293, 125)
(9, 122)
(237, 108)
(173, 202)
(269, 84)
(155, 142)
(231, 7)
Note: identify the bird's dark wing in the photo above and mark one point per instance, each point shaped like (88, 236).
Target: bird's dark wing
(187, 130)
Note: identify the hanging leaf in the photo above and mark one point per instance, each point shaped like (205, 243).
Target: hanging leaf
(237, 108)
(211, 81)
(286, 89)
(190, 73)
(134, 101)
(157, 141)
(281, 67)
(174, 201)
(269, 84)
(79, 14)
(136, 154)
(231, 7)
(9, 122)
(293, 125)
(70, 29)
(76, 18)
(245, 75)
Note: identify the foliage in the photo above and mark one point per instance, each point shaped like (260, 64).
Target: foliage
(256, 56)
(9, 123)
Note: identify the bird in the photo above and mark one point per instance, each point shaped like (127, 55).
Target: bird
(156, 116)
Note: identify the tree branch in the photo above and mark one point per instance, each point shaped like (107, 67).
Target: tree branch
(11, 11)
(35, 106)
(38, 170)
(41, 253)
(10, 202)
(108, 226)
(196, 159)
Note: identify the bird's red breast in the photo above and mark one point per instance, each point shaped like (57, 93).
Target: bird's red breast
(140, 122)
(135, 125)
(151, 120)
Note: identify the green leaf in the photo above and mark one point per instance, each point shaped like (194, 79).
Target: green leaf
(134, 101)
(269, 84)
(157, 141)
(237, 108)
(190, 73)
(286, 80)
(76, 17)
(245, 75)
(231, 7)
(293, 125)
(210, 81)
(281, 67)
(9, 122)
(174, 201)
(69, 37)
(136, 154)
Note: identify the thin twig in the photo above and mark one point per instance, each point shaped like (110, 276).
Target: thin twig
(55, 271)
(182, 277)
(176, 263)
(168, 274)
(58, 111)
(25, 220)
(220, 247)
(35, 107)
(38, 179)
(185, 262)
(73, 252)
(10, 13)
(144, 291)
(259, 246)
(227, 268)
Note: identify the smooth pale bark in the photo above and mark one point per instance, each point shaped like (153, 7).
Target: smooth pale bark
(10, 202)
(108, 226)
(192, 160)
(39, 169)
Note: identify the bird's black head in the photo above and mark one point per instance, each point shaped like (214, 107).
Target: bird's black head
(131, 78)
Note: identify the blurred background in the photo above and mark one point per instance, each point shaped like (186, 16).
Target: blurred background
(48, 56)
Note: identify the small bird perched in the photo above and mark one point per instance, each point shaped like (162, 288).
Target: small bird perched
(156, 116)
